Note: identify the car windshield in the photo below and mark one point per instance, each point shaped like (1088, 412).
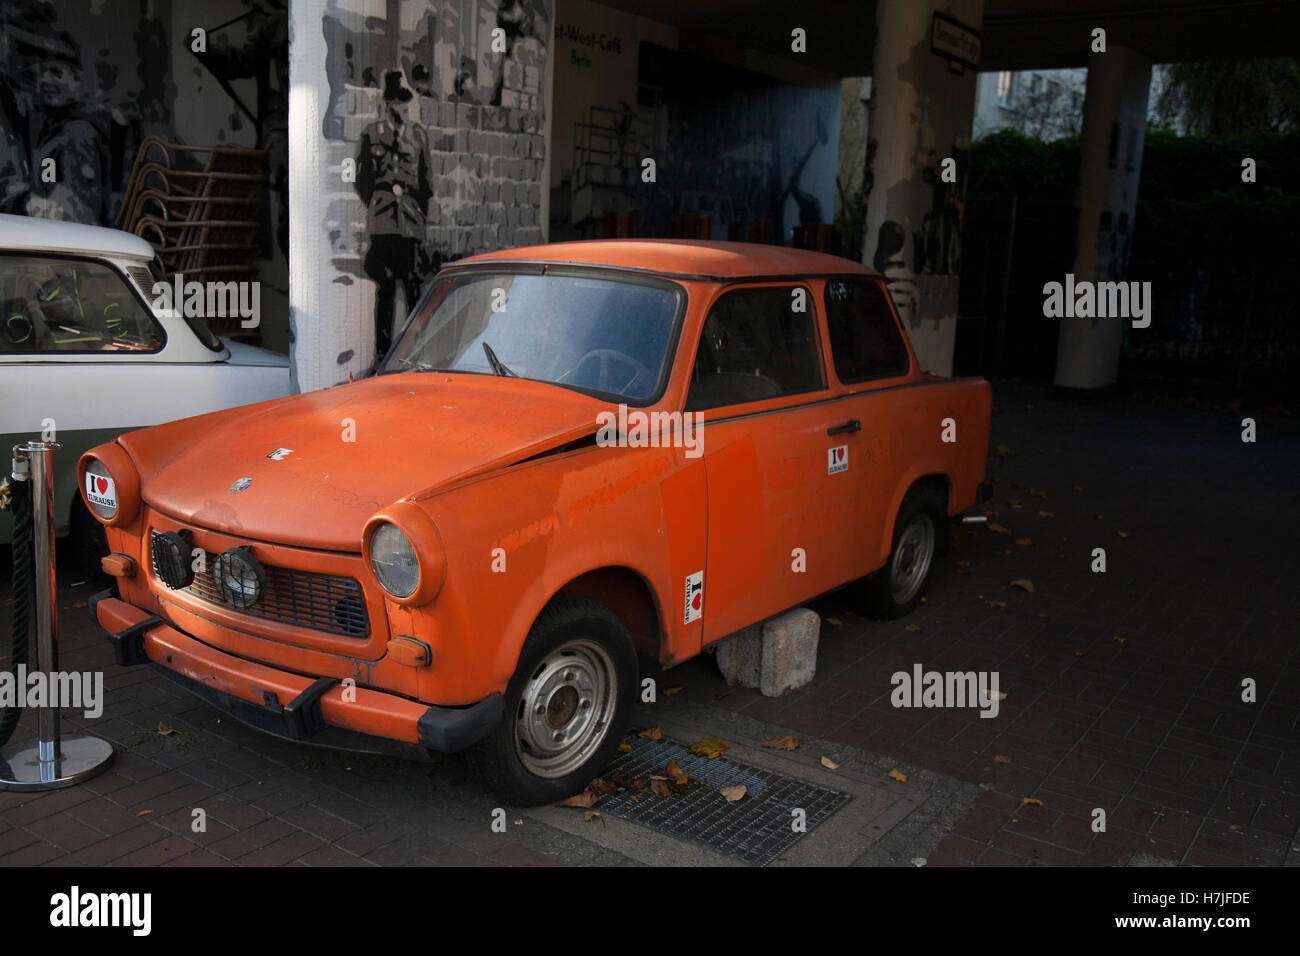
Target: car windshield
(607, 335)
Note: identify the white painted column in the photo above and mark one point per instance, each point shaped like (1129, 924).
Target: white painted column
(921, 114)
(1110, 165)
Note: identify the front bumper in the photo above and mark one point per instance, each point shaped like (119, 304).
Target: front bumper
(290, 705)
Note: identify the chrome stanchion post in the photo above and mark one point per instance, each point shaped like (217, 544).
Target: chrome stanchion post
(53, 762)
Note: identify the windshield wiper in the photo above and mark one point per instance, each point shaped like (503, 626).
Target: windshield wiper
(498, 366)
(418, 366)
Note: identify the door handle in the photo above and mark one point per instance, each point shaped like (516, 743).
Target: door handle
(848, 427)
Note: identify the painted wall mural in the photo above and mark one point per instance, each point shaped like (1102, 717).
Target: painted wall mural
(75, 101)
(438, 108)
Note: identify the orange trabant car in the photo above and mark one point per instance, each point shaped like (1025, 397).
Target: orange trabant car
(579, 463)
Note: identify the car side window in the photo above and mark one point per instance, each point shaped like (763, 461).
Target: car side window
(50, 305)
(757, 343)
(865, 341)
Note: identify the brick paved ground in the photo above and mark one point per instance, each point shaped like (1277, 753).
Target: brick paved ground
(1199, 531)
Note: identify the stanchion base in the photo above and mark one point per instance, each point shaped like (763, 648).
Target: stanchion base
(80, 758)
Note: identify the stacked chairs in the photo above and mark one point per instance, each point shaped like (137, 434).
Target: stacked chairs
(201, 208)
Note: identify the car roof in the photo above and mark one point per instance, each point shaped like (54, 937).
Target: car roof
(683, 258)
(28, 234)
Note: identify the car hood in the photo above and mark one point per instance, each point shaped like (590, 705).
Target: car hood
(316, 466)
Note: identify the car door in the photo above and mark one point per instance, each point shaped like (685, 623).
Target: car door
(869, 359)
(779, 470)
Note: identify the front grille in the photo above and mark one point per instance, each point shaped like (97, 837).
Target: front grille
(322, 602)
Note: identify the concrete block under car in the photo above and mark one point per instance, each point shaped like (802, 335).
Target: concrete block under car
(776, 655)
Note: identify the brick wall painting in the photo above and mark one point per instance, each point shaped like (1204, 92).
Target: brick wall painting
(432, 146)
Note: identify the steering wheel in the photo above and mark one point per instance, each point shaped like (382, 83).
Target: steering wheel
(605, 357)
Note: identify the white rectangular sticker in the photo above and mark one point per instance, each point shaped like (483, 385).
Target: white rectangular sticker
(694, 596)
(101, 491)
(837, 459)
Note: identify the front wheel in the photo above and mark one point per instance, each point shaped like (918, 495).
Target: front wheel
(567, 705)
(896, 589)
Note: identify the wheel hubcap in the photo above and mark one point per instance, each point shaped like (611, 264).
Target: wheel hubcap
(912, 559)
(565, 712)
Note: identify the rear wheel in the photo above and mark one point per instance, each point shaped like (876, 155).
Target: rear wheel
(567, 705)
(897, 588)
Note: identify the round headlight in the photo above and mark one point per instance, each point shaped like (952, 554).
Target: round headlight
(240, 577)
(100, 489)
(392, 558)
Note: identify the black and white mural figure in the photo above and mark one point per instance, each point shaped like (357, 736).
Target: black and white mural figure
(394, 180)
(57, 160)
(80, 85)
(432, 142)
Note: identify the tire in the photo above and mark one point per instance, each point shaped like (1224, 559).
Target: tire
(919, 538)
(548, 745)
(87, 542)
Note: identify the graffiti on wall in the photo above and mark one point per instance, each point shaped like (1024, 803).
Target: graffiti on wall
(71, 116)
(438, 109)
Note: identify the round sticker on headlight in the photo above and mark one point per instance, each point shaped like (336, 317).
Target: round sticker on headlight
(101, 491)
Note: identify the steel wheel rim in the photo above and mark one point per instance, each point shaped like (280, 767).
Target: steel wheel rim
(912, 559)
(566, 709)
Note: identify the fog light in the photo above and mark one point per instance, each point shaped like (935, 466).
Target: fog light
(171, 559)
(240, 577)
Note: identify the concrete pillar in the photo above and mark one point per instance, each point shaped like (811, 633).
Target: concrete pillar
(1110, 164)
(921, 113)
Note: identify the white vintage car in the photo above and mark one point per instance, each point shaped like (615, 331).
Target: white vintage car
(84, 354)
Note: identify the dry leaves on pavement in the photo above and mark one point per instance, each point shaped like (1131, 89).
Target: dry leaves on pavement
(781, 743)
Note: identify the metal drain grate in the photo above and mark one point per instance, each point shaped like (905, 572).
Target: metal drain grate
(756, 828)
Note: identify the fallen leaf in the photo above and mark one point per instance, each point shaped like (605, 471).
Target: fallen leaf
(659, 787)
(653, 733)
(1025, 541)
(965, 571)
(997, 528)
(710, 747)
(911, 627)
(625, 747)
(898, 775)
(1013, 503)
(830, 764)
(1080, 653)
(987, 786)
(1045, 514)
(835, 620)
(144, 813)
(997, 604)
(1120, 639)
(732, 794)
(1078, 487)
(672, 690)
(1034, 801)
(963, 563)
(1003, 450)
(1123, 534)
(1038, 492)
(602, 787)
(1001, 758)
(781, 743)
(164, 729)
(590, 815)
(1023, 583)
(1000, 695)
(675, 773)
(586, 800)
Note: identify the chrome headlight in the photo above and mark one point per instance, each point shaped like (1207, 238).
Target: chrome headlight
(393, 560)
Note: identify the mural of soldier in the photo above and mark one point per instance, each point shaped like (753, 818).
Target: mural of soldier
(394, 180)
(56, 126)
